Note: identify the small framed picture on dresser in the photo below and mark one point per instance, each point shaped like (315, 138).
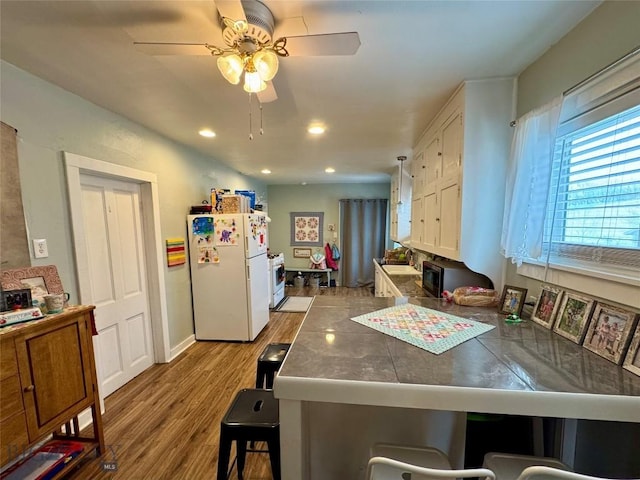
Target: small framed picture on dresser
(632, 360)
(573, 316)
(544, 313)
(610, 332)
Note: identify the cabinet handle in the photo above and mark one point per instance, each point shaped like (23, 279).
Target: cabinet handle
(437, 219)
(30, 388)
(439, 154)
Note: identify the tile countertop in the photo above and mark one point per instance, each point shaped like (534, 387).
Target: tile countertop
(512, 369)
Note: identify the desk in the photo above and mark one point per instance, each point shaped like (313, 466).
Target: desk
(326, 271)
(524, 369)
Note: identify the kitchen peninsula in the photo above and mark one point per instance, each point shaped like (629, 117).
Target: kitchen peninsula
(344, 386)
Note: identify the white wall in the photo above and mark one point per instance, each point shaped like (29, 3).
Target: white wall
(50, 120)
(607, 34)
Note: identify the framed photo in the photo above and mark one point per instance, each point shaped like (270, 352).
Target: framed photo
(301, 252)
(573, 316)
(610, 332)
(512, 300)
(306, 229)
(40, 280)
(544, 313)
(632, 360)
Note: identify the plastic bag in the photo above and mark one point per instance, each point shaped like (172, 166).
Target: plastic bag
(476, 296)
(318, 261)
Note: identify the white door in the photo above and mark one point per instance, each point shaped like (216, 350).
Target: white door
(116, 270)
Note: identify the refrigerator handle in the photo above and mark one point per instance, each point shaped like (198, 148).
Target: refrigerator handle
(248, 272)
(246, 245)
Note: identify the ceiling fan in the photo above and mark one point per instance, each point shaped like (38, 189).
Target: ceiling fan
(251, 51)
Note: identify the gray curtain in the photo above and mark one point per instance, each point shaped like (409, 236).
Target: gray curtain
(364, 230)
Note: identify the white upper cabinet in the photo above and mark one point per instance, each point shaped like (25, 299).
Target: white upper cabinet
(400, 208)
(465, 151)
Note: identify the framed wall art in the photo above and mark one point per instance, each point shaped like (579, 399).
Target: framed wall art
(301, 252)
(573, 316)
(512, 300)
(306, 229)
(544, 313)
(610, 332)
(632, 360)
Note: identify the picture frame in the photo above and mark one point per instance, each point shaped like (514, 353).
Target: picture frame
(610, 331)
(301, 252)
(306, 229)
(573, 316)
(632, 359)
(41, 280)
(546, 308)
(512, 300)
(15, 299)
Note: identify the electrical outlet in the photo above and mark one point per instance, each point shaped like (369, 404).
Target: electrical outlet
(40, 249)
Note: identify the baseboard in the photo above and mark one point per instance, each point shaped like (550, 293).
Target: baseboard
(181, 347)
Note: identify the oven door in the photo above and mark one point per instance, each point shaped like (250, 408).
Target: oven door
(432, 279)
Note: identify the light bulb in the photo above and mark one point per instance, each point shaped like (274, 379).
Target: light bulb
(231, 68)
(266, 64)
(253, 83)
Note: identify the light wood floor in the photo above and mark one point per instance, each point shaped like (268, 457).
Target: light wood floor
(165, 423)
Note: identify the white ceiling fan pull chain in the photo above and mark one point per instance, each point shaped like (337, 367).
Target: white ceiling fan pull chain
(261, 129)
(250, 128)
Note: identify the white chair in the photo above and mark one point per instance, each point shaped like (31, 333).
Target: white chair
(382, 468)
(540, 472)
(508, 466)
(421, 456)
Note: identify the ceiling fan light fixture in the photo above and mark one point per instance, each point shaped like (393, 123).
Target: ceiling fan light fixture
(266, 64)
(231, 68)
(253, 83)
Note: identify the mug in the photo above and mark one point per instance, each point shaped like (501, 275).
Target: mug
(55, 302)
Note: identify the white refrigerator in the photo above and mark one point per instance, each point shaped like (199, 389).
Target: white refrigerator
(229, 269)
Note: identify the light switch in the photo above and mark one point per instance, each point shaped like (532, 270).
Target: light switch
(40, 249)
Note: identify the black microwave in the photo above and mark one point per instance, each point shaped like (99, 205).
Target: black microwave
(441, 275)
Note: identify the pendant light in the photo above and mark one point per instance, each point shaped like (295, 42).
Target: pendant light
(401, 159)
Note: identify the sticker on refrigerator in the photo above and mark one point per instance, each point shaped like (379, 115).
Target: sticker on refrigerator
(258, 229)
(226, 231)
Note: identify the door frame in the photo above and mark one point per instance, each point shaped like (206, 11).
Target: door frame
(75, 166)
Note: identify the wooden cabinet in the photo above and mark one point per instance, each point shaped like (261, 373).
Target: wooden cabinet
(465, 151)
(48, 379)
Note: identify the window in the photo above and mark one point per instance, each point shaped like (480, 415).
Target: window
(593, 212)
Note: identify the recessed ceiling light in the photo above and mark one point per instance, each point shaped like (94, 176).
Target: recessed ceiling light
(266, 171)
(316, 130)
(330, 170)
(207, 133)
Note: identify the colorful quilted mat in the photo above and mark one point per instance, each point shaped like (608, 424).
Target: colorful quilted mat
(431, 330)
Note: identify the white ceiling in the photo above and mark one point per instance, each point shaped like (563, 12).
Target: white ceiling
(376, 103)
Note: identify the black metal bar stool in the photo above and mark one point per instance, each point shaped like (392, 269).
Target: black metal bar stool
(269, 362)
(252, 417)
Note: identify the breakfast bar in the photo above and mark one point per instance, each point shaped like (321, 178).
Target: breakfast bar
(344, 386)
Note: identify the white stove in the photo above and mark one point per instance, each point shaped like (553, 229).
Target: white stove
(277, 277)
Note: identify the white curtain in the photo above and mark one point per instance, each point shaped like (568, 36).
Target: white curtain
(528, 182)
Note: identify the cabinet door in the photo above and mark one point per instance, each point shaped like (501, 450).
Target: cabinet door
(431, 221)
(433, 161)
(449, 220)
(451, 147)
(417, 222)
(418, 174)
(52, 372)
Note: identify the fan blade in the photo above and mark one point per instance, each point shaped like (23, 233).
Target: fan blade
(268, 95)
(161, 48)
(232, 9)
(324, 44)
